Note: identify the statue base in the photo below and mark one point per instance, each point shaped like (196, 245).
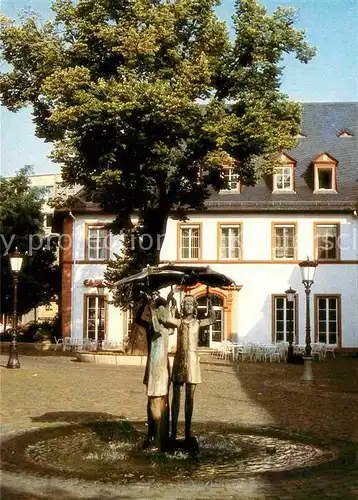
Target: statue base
(189, 445)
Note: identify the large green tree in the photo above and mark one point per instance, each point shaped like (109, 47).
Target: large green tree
(21, 225)
(144, 100)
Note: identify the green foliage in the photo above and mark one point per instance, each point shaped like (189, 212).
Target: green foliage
(21, 221)
(46, 330)
(131, 260)
(119, 89)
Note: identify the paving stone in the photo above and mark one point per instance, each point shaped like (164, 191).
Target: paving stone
(53, 389)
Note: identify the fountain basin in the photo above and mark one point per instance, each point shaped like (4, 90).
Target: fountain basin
(110, 358)
(113, 358)
(111, 452)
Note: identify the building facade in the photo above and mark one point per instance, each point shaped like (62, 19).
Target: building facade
(52, 186)
(257, 236)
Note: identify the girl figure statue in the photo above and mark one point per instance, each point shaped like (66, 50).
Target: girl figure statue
(186, 367)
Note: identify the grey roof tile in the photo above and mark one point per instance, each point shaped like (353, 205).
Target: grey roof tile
(322, 123)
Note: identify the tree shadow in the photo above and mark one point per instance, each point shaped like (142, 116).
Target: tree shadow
(8, 493)
(323, 408)
(108, 427)
(76, 417)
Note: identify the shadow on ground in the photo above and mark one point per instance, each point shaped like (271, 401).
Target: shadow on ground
(328, 406)
(76, 417)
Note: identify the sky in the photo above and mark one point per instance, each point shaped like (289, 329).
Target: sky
(331, 25)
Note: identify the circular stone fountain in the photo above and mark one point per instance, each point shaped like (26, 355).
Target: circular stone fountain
(112, 452)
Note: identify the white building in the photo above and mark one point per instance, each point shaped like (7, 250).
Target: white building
(53, 187)
(257, 236)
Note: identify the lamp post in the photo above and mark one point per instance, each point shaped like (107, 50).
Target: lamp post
(308, 269)
(290, 296)
(16, 259)
(100, 290)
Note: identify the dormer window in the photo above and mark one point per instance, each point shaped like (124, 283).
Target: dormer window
(231, 179)
(325, 176)
(345, 133)
(283, 178)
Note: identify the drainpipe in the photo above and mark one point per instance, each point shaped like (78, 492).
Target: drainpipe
(73, 271)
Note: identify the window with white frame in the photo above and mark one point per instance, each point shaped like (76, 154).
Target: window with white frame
(98, 243)
(231, 179)
(327, 319)
(129, 320)
(48, 192)
(284, 241)
(284, 320)
(283, 179)
(189, 245)
(95, 318)
(229, 242)
(327, 241)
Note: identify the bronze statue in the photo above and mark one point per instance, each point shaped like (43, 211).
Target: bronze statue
(157, 373)
(186, 367)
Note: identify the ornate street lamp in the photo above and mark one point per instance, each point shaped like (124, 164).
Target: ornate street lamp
(308, 269)
(100, 290)
(290, 296)
(15, 259)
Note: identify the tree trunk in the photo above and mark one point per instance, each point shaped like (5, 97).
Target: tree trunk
(153, 234)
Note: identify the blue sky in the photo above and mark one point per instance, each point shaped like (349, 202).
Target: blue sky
(332, 25)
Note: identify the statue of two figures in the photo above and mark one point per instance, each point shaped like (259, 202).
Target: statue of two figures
(162, 318)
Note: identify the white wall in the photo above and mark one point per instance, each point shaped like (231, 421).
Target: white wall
(91, 271)
(259, 280)
(256, 234)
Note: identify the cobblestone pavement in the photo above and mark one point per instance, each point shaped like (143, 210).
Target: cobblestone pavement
(50, 390)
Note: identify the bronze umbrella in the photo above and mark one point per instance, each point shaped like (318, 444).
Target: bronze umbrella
(154, 278)
(200, 274)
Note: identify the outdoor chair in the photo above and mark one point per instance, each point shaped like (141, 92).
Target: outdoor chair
(108, 345)
(242, 352)
(58, 343)
(318, 349)
(276, 354)
(66, 344)
(249, 351)
(330, 348)
(268, 352)
(88, 344)
(259, 353)
(226, 350)
(283, 349)
(215, 351)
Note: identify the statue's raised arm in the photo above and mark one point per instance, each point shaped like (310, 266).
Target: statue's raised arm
(212, 316)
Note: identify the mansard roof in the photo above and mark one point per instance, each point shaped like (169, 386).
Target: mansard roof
(321, 127)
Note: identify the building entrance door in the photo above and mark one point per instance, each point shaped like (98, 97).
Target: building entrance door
(211, 336)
